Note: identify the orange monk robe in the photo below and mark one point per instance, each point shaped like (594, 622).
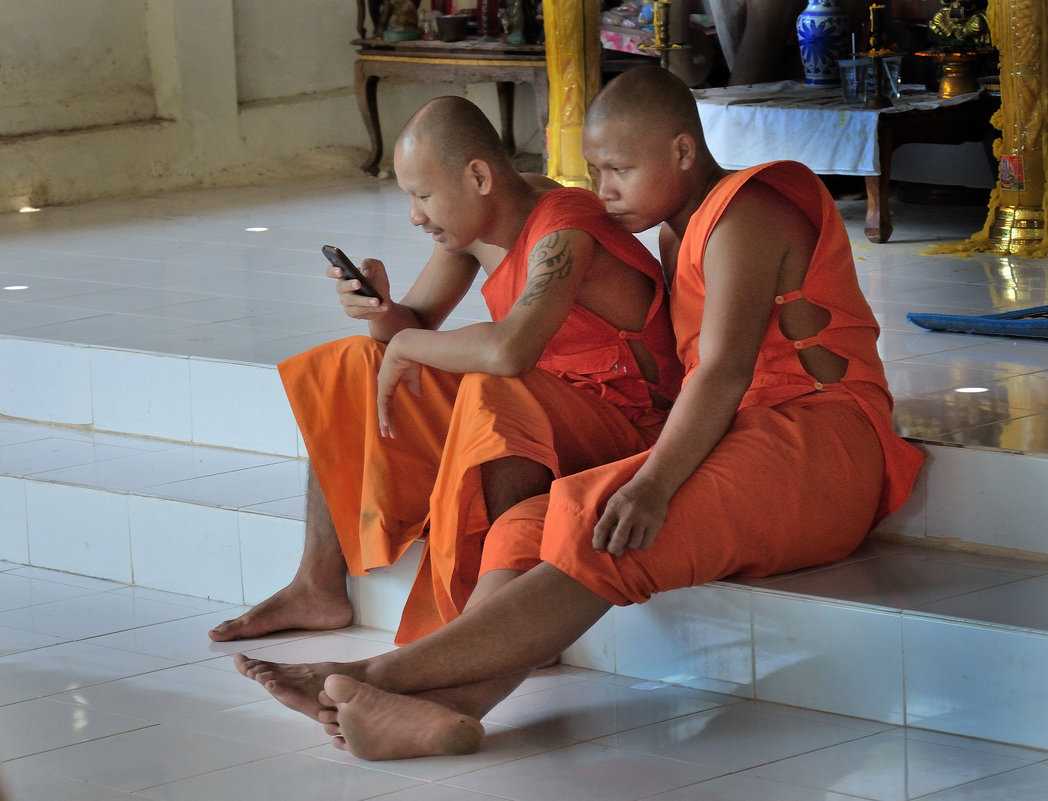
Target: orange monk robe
(799, 479)
(586, 404)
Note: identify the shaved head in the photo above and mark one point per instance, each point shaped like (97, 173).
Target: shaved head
(649, 97)
(457, 132)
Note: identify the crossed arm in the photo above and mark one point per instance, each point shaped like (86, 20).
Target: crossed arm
(512, 346)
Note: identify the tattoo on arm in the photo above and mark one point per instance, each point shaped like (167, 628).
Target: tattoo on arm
(552, 259)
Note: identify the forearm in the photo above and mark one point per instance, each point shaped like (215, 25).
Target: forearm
(700, 418)
(398, 318)
(476, 348)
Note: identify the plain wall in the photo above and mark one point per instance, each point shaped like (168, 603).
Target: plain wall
(124, 97)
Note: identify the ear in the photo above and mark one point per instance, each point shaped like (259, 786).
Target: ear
(684, 151)
(480, 175)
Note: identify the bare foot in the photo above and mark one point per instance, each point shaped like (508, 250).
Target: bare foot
(375, 725)
(295, 686)
(293, 607)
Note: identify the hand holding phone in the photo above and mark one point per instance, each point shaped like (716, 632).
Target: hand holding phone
(349, 270)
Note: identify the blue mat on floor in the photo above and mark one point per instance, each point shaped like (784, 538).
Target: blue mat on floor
(1021, 323)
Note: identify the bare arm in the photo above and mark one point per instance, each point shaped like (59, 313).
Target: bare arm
(440, 286)
(742, 277)
(556, 268)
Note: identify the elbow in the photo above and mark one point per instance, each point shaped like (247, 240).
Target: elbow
(729, 382)
(737, 383)
(509, 361)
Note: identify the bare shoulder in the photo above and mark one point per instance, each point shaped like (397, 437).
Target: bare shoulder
(568, 248)
(760, 219)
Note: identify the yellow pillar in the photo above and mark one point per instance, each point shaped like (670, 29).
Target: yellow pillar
(1017, 30)
(573, 65)
(1016, 220)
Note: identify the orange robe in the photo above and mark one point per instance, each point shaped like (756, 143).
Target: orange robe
(586, 404)
(801, 476)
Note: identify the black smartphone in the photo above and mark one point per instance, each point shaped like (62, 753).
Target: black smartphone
(349, 270)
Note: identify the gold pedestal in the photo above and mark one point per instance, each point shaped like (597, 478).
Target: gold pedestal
(1018, 221)
(1016, 229)
(957, 72)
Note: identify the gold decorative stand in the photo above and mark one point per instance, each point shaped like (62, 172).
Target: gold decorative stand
(1016, 220)
(1018, 30)
(958, 72)
(662, 44)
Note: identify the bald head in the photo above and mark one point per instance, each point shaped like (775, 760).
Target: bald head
(650, 97)
(457, 132)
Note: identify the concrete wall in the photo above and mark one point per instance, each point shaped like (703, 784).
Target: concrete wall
(119, 97)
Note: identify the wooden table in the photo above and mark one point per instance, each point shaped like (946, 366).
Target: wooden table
(746, 126)
(467, 61)
(949, 125)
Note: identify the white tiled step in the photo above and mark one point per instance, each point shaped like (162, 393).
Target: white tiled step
(204, 521)
(181, 398)
(930, 640)
(949, 641)
(979, 496)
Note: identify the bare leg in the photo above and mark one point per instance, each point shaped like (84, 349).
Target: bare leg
(760, 55)
(316, 598)
(526, 623)
(691, 64)
(498, 637)
(510, 480)
(507, 482)
(471, 663)
(299, 686)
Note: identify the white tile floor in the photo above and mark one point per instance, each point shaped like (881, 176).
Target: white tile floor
(108, 691)
(184, 274)
(111, 692)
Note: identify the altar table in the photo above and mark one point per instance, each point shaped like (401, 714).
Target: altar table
(749, 125)
(467, 61)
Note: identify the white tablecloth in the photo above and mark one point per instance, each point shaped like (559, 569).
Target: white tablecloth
(748, 125)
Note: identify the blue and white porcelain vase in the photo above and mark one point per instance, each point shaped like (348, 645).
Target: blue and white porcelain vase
(823, 32)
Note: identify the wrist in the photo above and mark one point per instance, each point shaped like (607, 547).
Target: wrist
(652, 485)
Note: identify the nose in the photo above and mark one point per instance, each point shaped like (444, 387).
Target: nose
(605, 190)
(415, 215)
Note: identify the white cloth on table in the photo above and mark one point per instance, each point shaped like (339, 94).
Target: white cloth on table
(749, 125)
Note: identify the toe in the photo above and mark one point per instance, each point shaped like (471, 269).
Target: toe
(225, 631)
(340, 689)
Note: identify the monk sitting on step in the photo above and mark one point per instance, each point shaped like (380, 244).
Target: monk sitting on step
(779, 453)
(415, 430)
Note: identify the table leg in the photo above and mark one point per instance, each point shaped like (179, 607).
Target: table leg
(367, 94)
(506, 90)
(878, 210)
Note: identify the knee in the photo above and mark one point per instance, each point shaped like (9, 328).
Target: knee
(515, 538)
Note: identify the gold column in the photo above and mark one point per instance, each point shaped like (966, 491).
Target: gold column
(573, 65)
(1016, 220)
(1017, 30)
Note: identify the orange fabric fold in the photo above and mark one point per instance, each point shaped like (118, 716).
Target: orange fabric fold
(585, 405)
(728, 518)
(799, 479)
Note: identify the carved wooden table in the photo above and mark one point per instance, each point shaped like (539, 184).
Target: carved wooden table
(751, 125)
(467, 61)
